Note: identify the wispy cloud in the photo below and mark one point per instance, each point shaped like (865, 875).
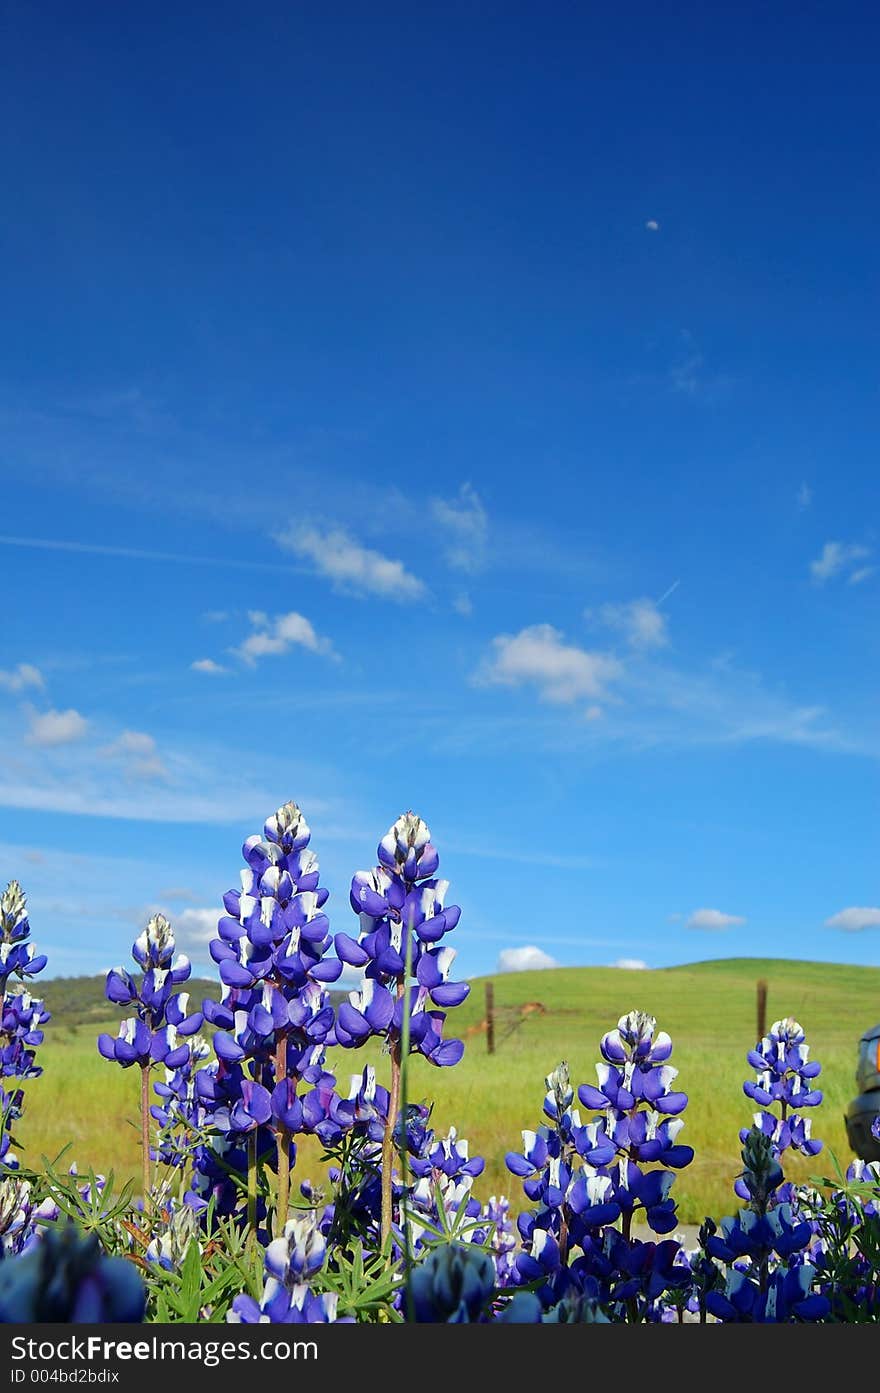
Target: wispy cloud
(209, 667)
(855, 919)
(222, 562)
(538, 656)
(804, 496)
(863, 573)
(647, 703)
(464, 524)
(839, 559)
(630, 964)
(21, 677)
(353, 568)
(525, 959)
(652, 225)
(713, 920)
(47, 728)
(641, 623)
(273, 637)
(138, 753)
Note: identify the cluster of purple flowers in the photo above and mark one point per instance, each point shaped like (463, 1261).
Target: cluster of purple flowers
(275, 1016)
(764, 1247)
(156, 1033)
(66, 1277)
(784, 1081)
(22, 1017)
(290, 1261)
(585, 1177)
(403, 917)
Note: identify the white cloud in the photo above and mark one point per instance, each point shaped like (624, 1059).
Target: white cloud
(132, 742)
(273, 637)
(350, 566)
(208, 666)
(465, 526)
(863, 573)
(652, 225)
(804, 496)
(838, 557)
(20, 677)
(855, 919)
(462, 605)
(642, 624)
(194, 929)
(631, 964)
(562, 672)
(713, 920)
(526, 959)
(48, 728)
(138, 753)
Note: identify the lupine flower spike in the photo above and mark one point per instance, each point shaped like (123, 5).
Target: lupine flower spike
(403, 916)
(158, 1031)
(22, 1017)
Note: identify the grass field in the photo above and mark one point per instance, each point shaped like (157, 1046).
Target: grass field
(708, 1008)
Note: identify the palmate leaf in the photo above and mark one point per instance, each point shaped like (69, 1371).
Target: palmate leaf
(196, 1292)
(365, 1289)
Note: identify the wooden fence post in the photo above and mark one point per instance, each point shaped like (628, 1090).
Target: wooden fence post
(490, 1017)
(762, 1009)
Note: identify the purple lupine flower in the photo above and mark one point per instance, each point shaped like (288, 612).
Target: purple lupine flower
(784, 1081)
(585, 1176)
(275, 1016)
(786, 1296)
(180, 1113)
(17, 955)
(172, 1236)
(287, 1298)
(563, 1170)
(298, 1253)
(17, 1216)
(398, 899)
(403, 915)
(22, 1017)
(453, 1285)
(641, 1109)
(498, 1229)
(66, 1277)
(764, 1248)
(157, 1033)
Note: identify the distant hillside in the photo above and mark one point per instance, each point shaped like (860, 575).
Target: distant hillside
(81, 1000)
(540, 1018)
(75, 1001)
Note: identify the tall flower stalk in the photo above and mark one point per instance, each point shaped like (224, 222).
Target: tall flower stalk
(275, 1015)
(402, 913)
(22, 1017)
(784, 1081)
(157, 1032)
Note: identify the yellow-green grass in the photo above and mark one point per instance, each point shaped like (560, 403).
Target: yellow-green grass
(708, 1008)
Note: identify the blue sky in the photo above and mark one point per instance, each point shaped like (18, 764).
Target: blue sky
(468, 412)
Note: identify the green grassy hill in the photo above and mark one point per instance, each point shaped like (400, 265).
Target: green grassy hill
(80, 1001)
(541, 1018)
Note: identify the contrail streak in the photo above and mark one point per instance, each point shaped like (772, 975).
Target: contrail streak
(665, 596)
(139, 554)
